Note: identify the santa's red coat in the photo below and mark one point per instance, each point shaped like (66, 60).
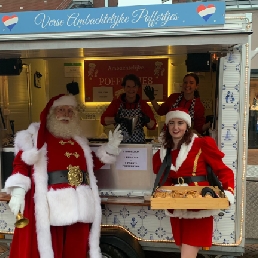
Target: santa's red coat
(59, 214)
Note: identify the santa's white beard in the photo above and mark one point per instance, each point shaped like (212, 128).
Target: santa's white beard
(63, 130)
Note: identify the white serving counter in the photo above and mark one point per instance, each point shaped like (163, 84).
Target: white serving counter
(131, 175)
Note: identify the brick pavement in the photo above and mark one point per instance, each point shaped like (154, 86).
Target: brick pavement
(250, 252)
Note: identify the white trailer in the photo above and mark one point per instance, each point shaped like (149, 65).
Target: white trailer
(129, 226)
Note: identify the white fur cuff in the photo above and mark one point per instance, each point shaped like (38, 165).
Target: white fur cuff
(17, 180)
(104, 156)
(31, 156)
(230, 197)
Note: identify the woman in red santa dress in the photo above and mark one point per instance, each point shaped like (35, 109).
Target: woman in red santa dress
(190, 155)
(54, 186)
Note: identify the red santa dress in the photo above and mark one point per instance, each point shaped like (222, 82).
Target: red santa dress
(195, 227)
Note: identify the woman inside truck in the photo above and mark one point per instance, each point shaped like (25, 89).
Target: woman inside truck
(130, 111)
(190, 155)
(189, 99)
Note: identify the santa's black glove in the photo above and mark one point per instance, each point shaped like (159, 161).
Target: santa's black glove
(149, 91)
(144, 119)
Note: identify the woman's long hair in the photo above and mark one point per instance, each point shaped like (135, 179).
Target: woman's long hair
(168, 140)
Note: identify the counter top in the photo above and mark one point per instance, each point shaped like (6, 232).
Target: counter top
(101, 140)
(8, 149)
(4, 197)
(132, 201)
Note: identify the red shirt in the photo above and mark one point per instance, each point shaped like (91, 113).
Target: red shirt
(112, 109)
(199, 119)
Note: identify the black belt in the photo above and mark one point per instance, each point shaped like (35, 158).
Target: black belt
(188, 179)
(61, 177)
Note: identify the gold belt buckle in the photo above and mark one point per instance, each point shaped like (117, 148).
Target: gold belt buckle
(75, 175)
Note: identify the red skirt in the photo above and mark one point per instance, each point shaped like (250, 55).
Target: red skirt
(194, 232)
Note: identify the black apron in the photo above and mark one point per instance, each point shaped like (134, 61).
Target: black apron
(138, 135)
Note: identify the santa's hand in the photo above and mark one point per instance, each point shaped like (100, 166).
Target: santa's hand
(113, 141)
(17, 202)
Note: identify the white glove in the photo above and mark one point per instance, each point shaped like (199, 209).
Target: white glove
(17, 201)
(113, 141)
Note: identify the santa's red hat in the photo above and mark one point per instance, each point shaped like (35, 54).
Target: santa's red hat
(60, 100)
(181, 113)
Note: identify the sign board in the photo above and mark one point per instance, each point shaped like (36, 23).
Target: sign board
(132, 159)
(103, 78)
(114, 18)
(73, 70)
(102, 94)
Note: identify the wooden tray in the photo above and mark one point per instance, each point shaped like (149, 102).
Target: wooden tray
(189, 203)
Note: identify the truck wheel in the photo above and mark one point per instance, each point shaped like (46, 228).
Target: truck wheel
(109, 251)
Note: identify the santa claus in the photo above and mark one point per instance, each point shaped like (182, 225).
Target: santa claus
(54, 186)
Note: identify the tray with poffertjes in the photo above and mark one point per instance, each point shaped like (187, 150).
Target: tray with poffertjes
(189, 197)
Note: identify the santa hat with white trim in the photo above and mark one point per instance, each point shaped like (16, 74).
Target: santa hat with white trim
(181, 113)
(60, 100)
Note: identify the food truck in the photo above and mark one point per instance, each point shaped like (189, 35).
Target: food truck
(42, 51)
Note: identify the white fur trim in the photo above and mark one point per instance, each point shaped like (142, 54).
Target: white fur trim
(26, 139)
(95, 228)
(30, 156)
(33, 128)
(230, 196)
(41, 206)
(178, 114)
(17, 180)
(104, 156)
(67, 100)
(160, 138)
(182, 155)
(75, 204)
(186, 214)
